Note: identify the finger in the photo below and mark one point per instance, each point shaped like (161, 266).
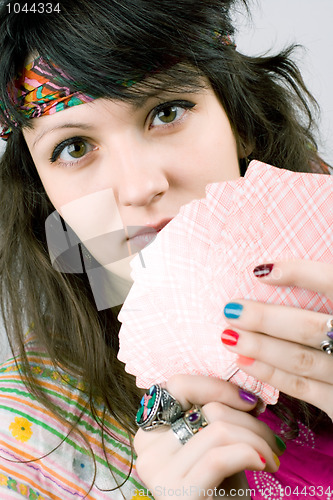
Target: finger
(288, 356)
(209, 471)
(145, 439)
(316, 276)
(226, 426)
(314, 392)
(215, 412)
(219, 434)
(289, 323)
(197, 389)
(221, 462)
(180, 459)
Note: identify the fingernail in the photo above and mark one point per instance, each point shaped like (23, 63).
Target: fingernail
(233, 310)
(248, 396)
(244, 360)
(263, 270)
(262, 459)
(276, 460)
(229, 337)
(280, 443)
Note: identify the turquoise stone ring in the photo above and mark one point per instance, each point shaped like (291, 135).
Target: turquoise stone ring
(157, 407)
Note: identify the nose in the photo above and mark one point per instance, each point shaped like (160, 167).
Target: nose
(142, 180)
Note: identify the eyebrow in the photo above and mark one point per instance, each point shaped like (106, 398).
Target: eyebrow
(82, 126)
(139, 102)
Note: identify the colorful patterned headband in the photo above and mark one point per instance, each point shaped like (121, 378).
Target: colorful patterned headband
(37, 92)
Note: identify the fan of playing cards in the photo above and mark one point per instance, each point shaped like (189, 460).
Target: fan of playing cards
(173, 317)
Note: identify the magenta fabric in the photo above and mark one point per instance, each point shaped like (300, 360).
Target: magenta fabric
(306, 469)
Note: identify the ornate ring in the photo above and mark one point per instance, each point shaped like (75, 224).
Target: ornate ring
(191, 423)
(327, 345)
(157, 407)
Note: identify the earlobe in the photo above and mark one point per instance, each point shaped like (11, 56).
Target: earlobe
(244, 151)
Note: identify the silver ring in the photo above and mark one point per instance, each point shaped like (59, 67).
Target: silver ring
(192, 422)
(327, 346)
(157, 407)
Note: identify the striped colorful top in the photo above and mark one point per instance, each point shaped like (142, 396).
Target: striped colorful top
(40, 460)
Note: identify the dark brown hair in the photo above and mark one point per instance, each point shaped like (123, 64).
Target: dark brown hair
(100, 45)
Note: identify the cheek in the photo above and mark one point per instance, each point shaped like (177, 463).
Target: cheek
(221, 152)
(210, 156)
(93, 214)
(96, 220)
(57, 192)
(61, 187)
(89, 214)
(57, 188)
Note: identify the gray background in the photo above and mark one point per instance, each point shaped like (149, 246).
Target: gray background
(275, 24)
(278, 23)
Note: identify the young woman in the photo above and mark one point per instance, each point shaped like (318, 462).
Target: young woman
(116, 115)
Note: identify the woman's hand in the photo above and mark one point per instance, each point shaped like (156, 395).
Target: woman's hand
(280, 345)
(232, 441)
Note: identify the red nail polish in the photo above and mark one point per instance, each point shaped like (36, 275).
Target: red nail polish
(262, 459)
(244, 360)
(263, 270)
(229, 337)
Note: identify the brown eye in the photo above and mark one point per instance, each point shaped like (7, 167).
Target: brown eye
(71, 150)
(168, 115)
(77, 149)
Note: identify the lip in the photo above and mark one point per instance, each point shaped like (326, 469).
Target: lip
(141, 236)
(134, 231)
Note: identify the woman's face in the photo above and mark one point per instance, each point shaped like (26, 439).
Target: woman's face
(109, 165)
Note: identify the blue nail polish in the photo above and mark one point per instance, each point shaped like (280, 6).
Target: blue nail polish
(233, 310)
(330, 335)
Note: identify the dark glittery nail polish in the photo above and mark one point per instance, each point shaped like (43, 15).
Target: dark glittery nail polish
(263, 270)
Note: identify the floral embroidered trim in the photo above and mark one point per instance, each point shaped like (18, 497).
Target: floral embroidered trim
(25, 490)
